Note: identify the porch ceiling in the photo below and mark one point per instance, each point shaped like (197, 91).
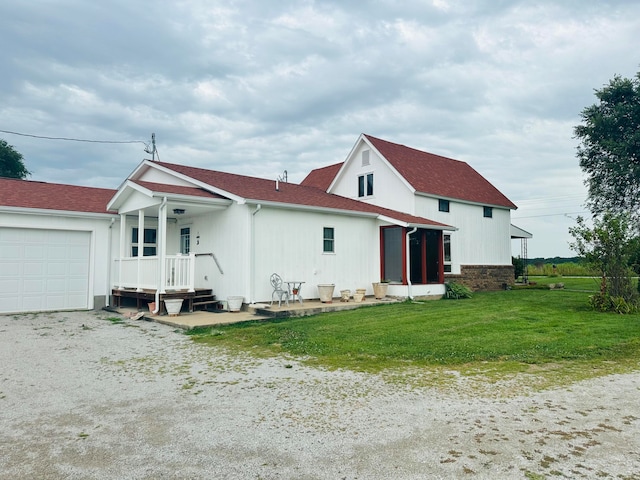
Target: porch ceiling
(184, 209)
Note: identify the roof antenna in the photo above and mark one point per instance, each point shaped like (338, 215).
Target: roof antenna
(152, 149)
(283, 177)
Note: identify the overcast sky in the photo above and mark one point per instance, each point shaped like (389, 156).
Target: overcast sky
(259, 87)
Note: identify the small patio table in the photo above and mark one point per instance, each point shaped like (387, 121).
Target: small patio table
(295, 290)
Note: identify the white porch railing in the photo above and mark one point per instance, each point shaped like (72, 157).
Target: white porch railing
(180, 272)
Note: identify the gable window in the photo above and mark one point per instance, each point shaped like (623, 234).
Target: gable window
(185, 240)
(328, 240)
(365, 185)
(443, 205)
(365, 158)
(488, 212)
(446, 239)
(150, 242)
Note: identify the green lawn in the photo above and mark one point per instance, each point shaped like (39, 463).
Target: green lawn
(506, 330)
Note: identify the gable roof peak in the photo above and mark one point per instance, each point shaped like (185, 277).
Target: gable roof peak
(439, 176)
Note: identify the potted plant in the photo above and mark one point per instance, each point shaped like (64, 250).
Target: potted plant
(173, 306)
(380, 289)
(325, 291)
(235, 303)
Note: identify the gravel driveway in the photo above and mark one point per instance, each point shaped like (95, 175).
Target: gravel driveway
(82, 397)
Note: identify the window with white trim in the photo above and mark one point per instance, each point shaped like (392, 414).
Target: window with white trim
(150, 245)
(328, 240)
(487, 212)
(443, 205)
(185, 240)
(365, 185)
(446, 239)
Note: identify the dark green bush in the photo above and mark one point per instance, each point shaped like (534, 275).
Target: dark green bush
(457, 291)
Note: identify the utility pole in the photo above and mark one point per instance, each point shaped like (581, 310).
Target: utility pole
(152, 150)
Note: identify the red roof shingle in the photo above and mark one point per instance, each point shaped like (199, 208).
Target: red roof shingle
(258, 189)
(321, 177)
(177, 189)
(53, 196)
(441, 176)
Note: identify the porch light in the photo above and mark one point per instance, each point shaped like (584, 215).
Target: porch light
(178, 211)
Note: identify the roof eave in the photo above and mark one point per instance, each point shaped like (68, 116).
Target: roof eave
(356, 213)
(58, 213)
(312, 208)
(430, 226)
(511, 206)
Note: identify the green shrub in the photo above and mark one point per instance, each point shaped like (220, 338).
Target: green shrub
(603, 302)
(457, 291)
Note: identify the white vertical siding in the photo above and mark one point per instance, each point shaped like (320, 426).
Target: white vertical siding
(478, 240)
(224, 233)
(389, 190)
(290, 243)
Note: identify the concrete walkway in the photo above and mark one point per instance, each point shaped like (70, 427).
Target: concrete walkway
(255, 312)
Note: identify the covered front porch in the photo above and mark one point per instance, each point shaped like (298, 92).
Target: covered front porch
(156, 219)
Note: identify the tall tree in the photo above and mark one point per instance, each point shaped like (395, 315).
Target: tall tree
(11, 162)
(610, 147)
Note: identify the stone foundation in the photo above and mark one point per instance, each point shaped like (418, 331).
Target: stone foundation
(484, 277)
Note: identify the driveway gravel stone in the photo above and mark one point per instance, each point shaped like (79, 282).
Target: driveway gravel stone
(83, 397)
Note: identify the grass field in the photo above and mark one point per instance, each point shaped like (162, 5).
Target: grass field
(507, 331)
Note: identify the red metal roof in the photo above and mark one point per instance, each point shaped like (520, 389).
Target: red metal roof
(252, 188)
(53, 196)
(440, 176)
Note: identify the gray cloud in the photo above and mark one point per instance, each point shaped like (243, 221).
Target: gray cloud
(259, 87)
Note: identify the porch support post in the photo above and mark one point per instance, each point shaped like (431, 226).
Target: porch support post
(140, 247)
(162, 240)
(440, 256)
(123, 246)
(408, 262)
(192, 272)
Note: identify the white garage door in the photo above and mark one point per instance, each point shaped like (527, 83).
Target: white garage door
(43, 269)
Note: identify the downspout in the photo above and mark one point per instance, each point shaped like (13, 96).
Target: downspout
(109, 260)
(162, 226)
(252, 262)
(408, 266)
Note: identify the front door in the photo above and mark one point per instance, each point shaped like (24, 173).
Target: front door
(432, 243)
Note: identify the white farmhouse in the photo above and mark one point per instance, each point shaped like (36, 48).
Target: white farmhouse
(387, 212)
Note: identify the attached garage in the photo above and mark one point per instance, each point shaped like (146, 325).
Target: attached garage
(43, 269)
(55, 246)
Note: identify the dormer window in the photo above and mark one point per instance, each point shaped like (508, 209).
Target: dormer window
(365, 185)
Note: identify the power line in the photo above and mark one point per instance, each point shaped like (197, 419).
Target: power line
(72, 139)
(549, 215)
(550, 198)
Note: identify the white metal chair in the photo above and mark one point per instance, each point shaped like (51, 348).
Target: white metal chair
(276, 283)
